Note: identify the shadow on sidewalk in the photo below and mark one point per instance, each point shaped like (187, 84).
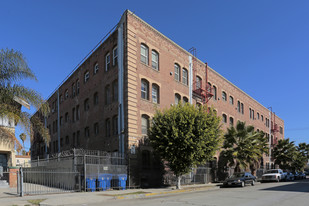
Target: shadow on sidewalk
(300, 186)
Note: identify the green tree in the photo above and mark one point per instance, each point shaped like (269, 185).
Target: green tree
(243, 147)
(13, 70)
(300, 158)
(284, 153)
(185, 136)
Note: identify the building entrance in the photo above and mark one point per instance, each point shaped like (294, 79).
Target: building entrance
(3, 161)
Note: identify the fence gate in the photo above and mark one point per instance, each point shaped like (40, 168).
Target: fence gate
(8, 182)
(40, 181)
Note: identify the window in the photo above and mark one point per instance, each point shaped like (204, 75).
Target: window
(144, 89)
(231, 100)
(177, 72)
(250, 113)
(144, 54)
(238, 106)
(115, 90)
(145, 124)
(107, 62)
(66, 117)
(184, 76)
(115, 125)
(242, 108)
(258, 115)
(95, 98)
(214, 88)
(281, 130)
(96, 128)
(177, 98)
(224, 96)
(86, 104)
(185, 99)
(262, 118)
(67, 140)
(74, 140)
(77, 112)
(253, 114)
(155, 60)
(86, 76)
(73, 115)
(155, 93)
(61, 98)
(77, 87)
(108, 127)
(87, 132)
(66, 94)
(224, 118)
(96, 68)
(73, 90)
(107, 95)
(61, 120)
(231, 121)
(198, 82)
(115, 56)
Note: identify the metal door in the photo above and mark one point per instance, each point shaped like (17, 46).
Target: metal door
(3, 161)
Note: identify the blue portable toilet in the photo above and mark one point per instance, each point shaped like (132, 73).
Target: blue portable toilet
(108, 180)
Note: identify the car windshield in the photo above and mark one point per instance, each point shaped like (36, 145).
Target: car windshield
(272, 171)
(236, 175)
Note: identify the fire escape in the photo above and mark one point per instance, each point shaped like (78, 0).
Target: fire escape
(274, 128)
(202, 91)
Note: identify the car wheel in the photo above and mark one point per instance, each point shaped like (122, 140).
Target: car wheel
(242, 184)
(253, 183)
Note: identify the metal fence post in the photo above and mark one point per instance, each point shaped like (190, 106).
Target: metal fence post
(85, 186)
(21, 182)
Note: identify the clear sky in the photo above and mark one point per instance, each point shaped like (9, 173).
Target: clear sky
(262, 46)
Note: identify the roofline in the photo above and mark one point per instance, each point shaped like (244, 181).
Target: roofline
(188, 53)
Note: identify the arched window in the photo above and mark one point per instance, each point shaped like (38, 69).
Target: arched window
(107, 95)
(95, 98)
(155, 60)
(86, 104)
(144, 89)
(115, 90)
(185, 99)
(214, 92)
(198, 82)
(231, 121)
(224, 118)
(144, 54)
(155, 94)
(107, 62)
(107, 127)
(224, 96)
(177, 72)
(185, 76)
(177, 98)
(242, 108)
(209, 87)
(115, 125)
(145, 124)
(231, 100)
(96, 68)
(86, 76)
(238, 106)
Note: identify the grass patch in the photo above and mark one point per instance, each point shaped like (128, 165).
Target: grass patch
(123, 194)
(36, 201)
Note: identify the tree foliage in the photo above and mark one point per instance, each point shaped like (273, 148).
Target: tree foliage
(289, 156)
(185, 136)
(243, 147)
(14, 69)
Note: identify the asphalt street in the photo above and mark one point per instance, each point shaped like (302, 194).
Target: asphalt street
(266, 194)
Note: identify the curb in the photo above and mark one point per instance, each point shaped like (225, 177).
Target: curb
(208, 188)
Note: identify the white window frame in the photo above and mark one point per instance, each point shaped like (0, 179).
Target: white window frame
(177, 72)
(155, 60)
(155, 94)
(96, 68)
(86, 76)
(107, 61)
(145, 56)
(115, 55)
(185, 77)
(144, 89)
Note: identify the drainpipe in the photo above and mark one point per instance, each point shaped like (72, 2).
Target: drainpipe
(270, 112)
(190, 78)
(58, 121)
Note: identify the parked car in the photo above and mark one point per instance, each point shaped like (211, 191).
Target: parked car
(296, 176)
(273, 175)
(240, 179)
(289, 176)
(302, 175)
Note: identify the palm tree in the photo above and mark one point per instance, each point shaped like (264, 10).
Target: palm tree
(14, 69)
(284, 153)
(244, 147)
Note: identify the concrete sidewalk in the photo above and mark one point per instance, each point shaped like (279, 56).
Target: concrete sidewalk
(84, 198)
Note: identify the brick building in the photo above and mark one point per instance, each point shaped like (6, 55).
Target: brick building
(107, 101)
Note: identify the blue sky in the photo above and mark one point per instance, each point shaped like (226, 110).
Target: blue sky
(260, 46)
